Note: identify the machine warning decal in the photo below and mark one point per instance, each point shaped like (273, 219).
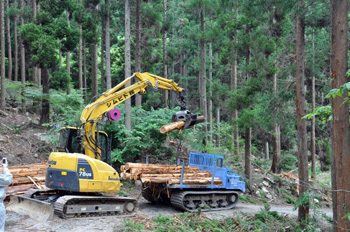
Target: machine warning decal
(84, 169)
(51, 162)
(121, 98)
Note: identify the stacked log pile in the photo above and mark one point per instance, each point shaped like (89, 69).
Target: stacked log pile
(26, 177)
(166, 174)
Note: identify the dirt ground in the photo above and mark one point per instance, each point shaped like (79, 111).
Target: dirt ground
(21, 138)
(146, 211)
(35, 221)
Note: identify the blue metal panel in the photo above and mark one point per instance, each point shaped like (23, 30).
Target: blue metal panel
(213, 164)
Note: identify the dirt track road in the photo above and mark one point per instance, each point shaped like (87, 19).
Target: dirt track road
(20, 222)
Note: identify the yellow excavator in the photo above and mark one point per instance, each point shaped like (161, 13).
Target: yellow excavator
(79, 173)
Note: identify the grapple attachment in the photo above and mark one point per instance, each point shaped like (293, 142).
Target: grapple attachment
(186, 116)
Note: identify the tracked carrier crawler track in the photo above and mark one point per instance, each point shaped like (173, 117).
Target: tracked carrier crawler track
(67, 206)
(191, 201)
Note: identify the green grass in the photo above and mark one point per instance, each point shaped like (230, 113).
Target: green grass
(133, 226)
(10, 223)
(247, 199)
(265, 220)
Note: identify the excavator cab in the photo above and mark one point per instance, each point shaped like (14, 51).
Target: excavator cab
(71, 169)
(71, 142)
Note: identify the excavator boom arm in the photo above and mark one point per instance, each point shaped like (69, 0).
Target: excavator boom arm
(96, 110)
(113, 97)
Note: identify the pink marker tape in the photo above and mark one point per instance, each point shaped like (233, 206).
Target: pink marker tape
(114, 114)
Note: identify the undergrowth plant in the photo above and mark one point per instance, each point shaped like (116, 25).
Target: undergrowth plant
(144, 139)
(311, 199)
(264, 220)
(65, 110)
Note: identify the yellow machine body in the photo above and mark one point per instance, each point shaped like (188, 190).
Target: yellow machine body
(80, 173)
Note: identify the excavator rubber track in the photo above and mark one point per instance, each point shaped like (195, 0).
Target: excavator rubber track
(192, 201)
(92, 206)
(68, 206)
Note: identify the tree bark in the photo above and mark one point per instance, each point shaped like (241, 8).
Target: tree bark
(275, 167)
(247, 157)
(203, 78)
(103, 46)
(80, 62)
(138, 97)
(94, 68)
(108, 48)
(23, 61)
(2, 28)
(15, 78)
(210, 93)
(84, 73)
(218, 126)
(165, 67)
(38, 69)
(59, 59)
(34, 68)
(68, 61)
(45, 108)
(233, 86)
(68, 71)
(303, 211)
(267, 151)
(39, 75)
(9, 47)
(313, 120)
(127, 63)
(340, 108)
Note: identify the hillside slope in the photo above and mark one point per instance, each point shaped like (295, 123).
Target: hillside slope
(21, 138)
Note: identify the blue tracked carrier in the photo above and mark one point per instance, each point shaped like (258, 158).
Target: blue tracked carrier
(200, 196)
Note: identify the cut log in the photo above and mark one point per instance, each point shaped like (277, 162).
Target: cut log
(172, 126)
(129, 165)
(199, 174)
(178, 125)
(187, 181)
(26, 177)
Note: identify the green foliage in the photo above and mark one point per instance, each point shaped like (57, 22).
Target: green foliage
(65, 111)
(191, 222)
(42, 46)
(55, 7)
(60, 80)
(131, 226)
(246, 198)
(288, 161)
(15, 129)
(90, 28)
(325, 112)
(265, 215)
(346, 216)
(311, 199)
(12, 88)
(185, 222)
(290, 199)
(144, 139)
